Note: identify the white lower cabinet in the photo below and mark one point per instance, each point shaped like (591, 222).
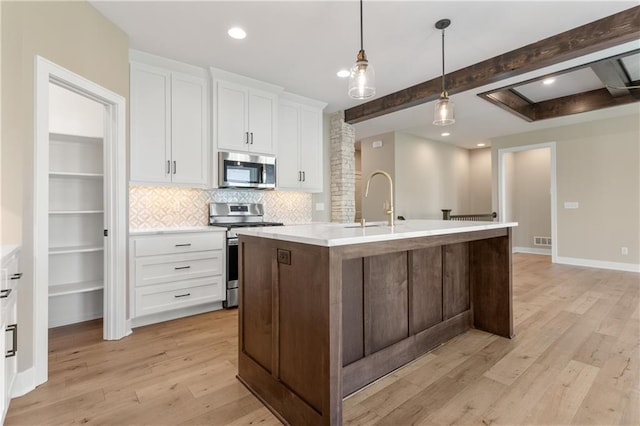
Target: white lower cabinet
(173, 271)
(8, 321)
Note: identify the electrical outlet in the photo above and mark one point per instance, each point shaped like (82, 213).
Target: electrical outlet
(319, 207)
(284, 257)
(624, 251)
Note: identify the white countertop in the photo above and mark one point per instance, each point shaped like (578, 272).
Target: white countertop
(6, 251)
(174, 230)
(341, 234)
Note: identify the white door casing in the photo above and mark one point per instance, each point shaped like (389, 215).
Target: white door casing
(115, 214)
(502, 189)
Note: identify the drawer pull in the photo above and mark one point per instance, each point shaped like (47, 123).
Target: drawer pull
(5, 293)
(182, 267)
(183, 245)
(16, 276)
(13, 328)
(182, 295)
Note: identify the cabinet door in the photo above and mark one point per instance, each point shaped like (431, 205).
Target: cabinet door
(231, 116)
(289, 173)
(311, 148)
(150, 125)
(262, 118)
(189, 151)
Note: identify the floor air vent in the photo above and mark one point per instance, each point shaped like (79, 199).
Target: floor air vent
(542, 241)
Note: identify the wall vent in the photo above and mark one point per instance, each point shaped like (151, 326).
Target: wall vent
(542, 241)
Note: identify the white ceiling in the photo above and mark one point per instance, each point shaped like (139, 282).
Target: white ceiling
(300, 45)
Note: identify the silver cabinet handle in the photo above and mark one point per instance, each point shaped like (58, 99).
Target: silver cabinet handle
(5, 293)
(183, 245)
(304, 176)
(299, 176)
(14, 329)
(251, 138)
(182, 267)
(168, 167)
(246, 137)
(16, 276)
(175, 166)
(182, 295)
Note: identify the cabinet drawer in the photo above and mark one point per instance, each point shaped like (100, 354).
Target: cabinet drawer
(177, 267)
(164, 297)
(177, 243)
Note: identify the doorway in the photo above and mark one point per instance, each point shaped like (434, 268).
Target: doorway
(521, 172)
(112, 211)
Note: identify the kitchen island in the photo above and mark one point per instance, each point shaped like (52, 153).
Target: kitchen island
(326, 309)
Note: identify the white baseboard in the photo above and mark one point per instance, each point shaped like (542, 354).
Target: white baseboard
(529, 250)
(175, 314)
(24, 382)
(618, 266)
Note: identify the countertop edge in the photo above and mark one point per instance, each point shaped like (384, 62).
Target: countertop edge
(280, 233)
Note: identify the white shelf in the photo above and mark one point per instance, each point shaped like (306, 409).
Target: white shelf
(72, 175)
(76, 249)
(62, 137)
(76, 212)
(74, 288)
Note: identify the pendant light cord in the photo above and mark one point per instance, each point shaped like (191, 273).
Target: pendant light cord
(361, 32)
(443, 88)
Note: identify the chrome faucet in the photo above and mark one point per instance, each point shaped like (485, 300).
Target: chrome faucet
(388, 211)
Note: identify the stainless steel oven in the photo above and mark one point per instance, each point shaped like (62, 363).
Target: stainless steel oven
(231, 216)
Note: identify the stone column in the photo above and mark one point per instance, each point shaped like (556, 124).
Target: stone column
(343, 179)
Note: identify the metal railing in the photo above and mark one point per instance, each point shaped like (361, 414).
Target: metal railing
(488, 217)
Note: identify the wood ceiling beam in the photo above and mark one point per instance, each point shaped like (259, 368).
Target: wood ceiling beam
(607, 32)
(581, 102)
(512, 102)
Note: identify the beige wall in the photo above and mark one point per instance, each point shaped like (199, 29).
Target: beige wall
(75, 36)
(430, 176)
(531, 196)
(598, 165)
(479, 180)
(377, 159)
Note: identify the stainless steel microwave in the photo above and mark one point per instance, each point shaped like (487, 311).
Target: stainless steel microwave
(241, 170)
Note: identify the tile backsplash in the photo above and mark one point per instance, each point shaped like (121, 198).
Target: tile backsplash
(156, 207)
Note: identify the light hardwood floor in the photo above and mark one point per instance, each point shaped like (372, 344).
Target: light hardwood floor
(574, 360)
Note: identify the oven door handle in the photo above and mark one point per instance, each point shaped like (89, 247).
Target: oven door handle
(232, 242)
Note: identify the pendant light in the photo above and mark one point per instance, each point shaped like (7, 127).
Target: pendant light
(445, 109)
(362, 78)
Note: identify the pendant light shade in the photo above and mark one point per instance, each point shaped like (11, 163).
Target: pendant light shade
(362, 77)
(445, 109)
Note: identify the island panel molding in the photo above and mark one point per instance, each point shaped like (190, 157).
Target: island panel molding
(320, 321)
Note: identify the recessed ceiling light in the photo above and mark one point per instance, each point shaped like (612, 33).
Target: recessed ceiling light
(343, 73)
(237, 33)
(445, 134)
(481, 145)
(548, 81)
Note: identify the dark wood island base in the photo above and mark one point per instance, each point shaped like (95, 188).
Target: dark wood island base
(317, 323)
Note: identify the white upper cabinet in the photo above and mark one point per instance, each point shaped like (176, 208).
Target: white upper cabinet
(231, 116)
(189, 143)
(169, 137)
(150, 95)
(245, 116)
(300, 142)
